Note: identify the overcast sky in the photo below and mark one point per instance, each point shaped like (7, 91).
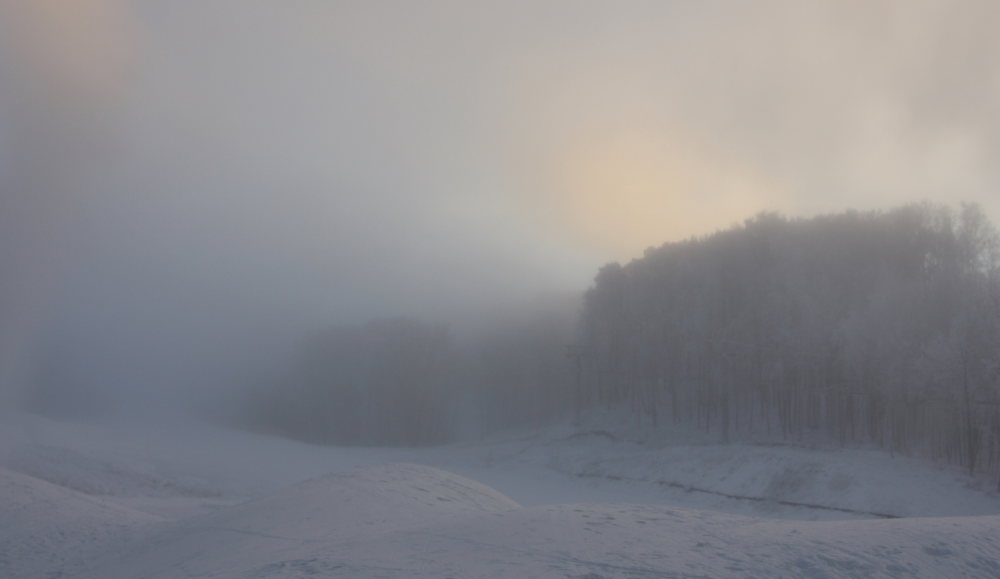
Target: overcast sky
(177, 174)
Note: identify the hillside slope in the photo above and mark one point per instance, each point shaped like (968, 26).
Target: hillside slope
(408, 521)
(96, 502)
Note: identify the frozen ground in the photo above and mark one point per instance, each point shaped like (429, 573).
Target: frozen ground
(98, 502)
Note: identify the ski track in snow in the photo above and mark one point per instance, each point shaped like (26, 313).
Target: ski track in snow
(88, 502)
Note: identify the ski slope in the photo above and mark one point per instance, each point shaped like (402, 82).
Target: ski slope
(97, 502)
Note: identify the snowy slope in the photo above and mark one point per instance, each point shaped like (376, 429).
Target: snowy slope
(313, 525)
(44, 526)
(98, 502)
(752, 479)
(199, 467)
(409, 521)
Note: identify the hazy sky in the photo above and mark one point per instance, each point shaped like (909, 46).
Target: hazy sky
(176, 174)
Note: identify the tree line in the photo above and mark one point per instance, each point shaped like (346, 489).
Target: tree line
(860, 327)
(876, 327)
(402, 381)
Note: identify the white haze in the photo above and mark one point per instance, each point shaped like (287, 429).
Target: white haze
(187, 186)
(247, 245)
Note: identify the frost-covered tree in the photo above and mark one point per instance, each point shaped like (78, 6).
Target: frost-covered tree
(879, 326)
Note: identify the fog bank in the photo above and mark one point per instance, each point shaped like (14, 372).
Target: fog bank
(189, 186)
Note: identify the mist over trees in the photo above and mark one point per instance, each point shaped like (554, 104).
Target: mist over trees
(874, 327)
(400, 381)
(859, 327)
(386, 382)
(516, 373)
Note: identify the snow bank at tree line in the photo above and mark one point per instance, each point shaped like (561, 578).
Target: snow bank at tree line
(614, 460)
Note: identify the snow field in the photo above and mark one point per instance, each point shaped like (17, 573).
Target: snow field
(404, 520)
(88, 502)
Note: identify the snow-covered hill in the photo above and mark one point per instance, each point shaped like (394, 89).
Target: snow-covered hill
(341, 523)
(45, 527)
(407, 521)
(88, 502)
